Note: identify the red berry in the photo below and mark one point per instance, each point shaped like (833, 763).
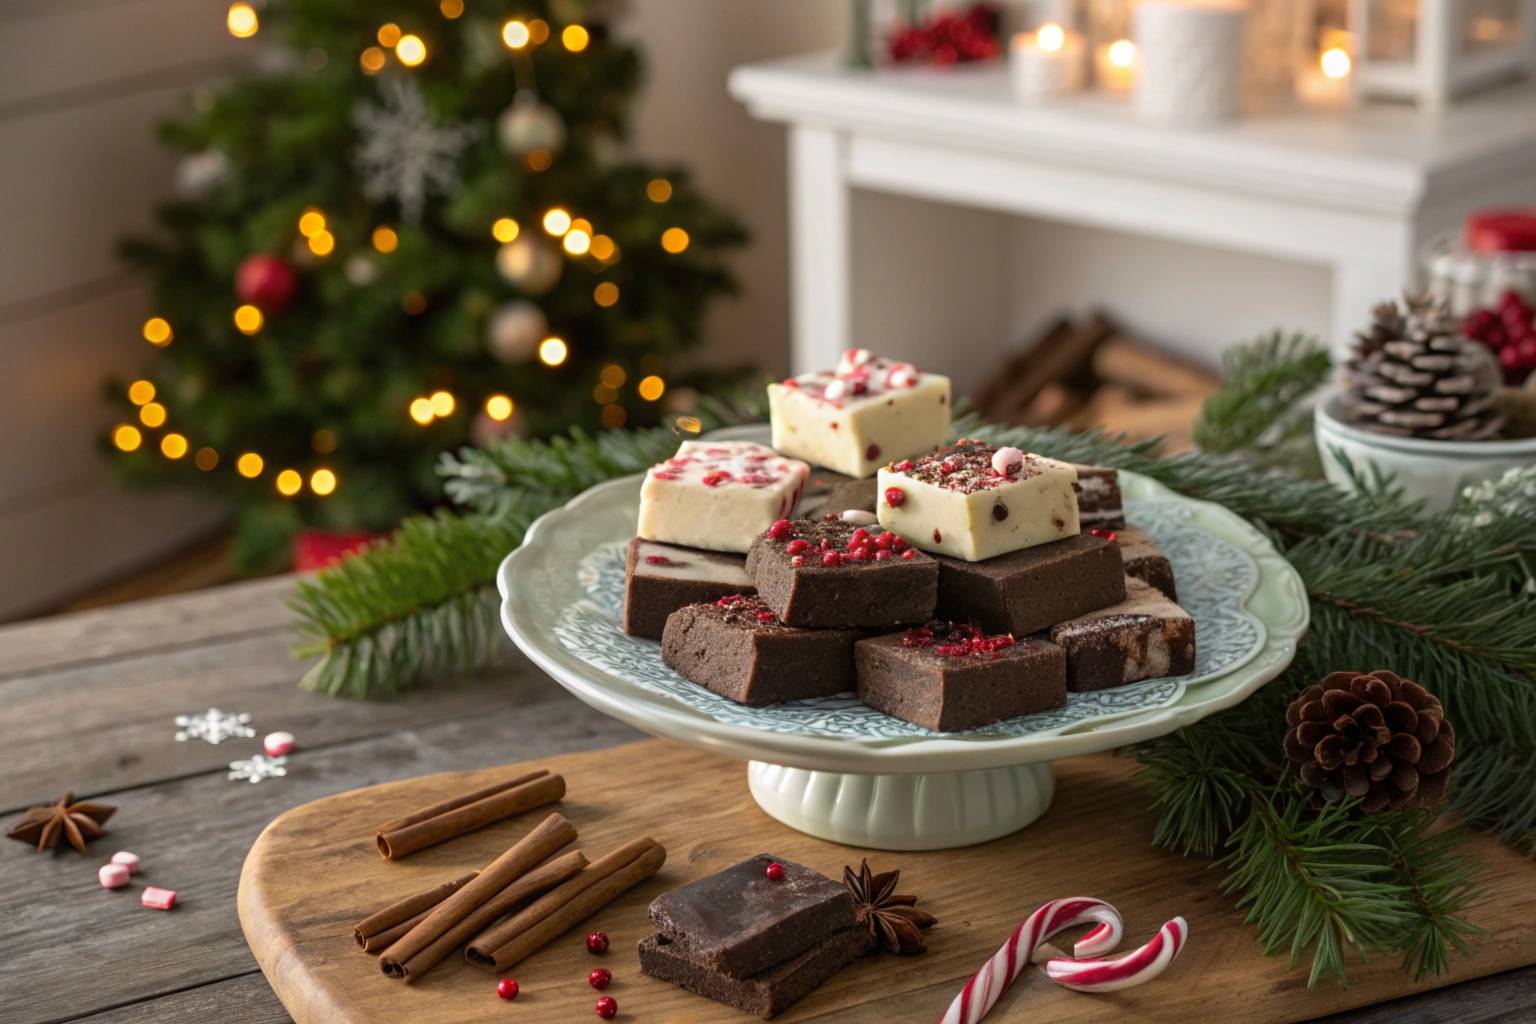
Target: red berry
(597, 942)
(775, 871)
(884, 540)
(900, 544)
(858, 538)
(831, 558)
(882, 554)
(781, 529)
(1509, 358)
(797, 546)
(606, 1008)
(894, 496)
(938, 538)
(599, 978)
(797, 560)
(909, 553)
(506, 988)
(873, 451)
(1526, 350)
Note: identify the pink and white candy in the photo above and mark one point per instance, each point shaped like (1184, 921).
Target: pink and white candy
(1100, 975)
(989, 983)
(276, 744)
(1004, 459)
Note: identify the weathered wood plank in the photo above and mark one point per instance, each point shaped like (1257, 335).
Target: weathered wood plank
(1508, 998)
(72, 948)
(246, 999)
(238, 609)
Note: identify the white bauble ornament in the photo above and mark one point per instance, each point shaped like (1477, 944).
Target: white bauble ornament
(514, 331)
(528, 125)
(199, 174)
(361, 270)
(533, 265)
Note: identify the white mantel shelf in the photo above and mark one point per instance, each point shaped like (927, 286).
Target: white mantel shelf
(1355, 189)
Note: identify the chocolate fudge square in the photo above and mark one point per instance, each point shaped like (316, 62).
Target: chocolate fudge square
(1099, 505)
(739, 922)
(831, 574)
(661, 578)
(1146, 561)
(949, 677)
(1146, 636)
(1024, 591)
(738, 648)
(832, 493)
(765, 994)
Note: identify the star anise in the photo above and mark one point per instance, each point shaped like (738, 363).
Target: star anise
(893, 920)
(76, 822)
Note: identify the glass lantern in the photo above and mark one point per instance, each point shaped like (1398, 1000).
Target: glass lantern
(1432, 51)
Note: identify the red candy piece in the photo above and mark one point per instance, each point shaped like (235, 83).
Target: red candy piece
(159, 899)
(781, 529)
(597, 942)
(831, 558)
(606, 1008)
(798, 546)
(894, 496)
(507, 988)
(908, 553)
(775, 871)
(600, 978)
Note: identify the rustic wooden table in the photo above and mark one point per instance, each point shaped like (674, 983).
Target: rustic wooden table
(89, 702)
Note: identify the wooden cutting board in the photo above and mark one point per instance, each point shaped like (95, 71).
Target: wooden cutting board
(315, 872)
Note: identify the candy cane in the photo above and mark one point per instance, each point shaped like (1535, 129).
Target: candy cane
(1100, 975)
(989, 983)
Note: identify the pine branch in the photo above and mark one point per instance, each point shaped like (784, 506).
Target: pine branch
(1495, 791)
(1258, 412)
(1439, 881)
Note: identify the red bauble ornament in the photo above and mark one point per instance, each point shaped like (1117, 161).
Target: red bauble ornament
(775, 871)
(600, 978)
(507, 988)
(606, 1008)
(597, 942)
(1511, 230)
(266, 282)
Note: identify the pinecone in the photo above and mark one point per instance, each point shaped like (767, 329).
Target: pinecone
(1375, 736)
(1415, 375)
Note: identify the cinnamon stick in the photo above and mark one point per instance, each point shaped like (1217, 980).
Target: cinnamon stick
(454, 817)
(553, 833)
(540, 880)
(370, 932)
(599, 884)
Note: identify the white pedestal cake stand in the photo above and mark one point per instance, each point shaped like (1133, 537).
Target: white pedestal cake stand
(840, 771)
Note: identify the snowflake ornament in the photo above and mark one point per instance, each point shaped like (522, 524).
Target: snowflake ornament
(213, 726)
(404, 153)
(258, 767)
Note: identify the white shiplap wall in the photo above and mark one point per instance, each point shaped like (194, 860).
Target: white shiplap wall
(82, 83)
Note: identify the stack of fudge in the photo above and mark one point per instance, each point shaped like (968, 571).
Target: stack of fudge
(754, 940)
(952, 587)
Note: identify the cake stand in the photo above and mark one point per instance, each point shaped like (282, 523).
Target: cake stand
(841, 771)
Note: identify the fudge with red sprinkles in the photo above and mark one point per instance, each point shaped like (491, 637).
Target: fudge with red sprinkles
(833, 574)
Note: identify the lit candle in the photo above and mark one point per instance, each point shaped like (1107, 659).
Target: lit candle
(1328, 82)
(1115, 66)
(1046, 63)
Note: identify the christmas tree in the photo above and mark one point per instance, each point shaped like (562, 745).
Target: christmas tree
(414, 232)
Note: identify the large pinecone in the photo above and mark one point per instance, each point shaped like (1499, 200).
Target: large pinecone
(1413, 374)
(1375, 736)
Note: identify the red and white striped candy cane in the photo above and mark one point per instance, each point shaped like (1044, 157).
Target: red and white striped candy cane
(1099, 975)
(989, 983)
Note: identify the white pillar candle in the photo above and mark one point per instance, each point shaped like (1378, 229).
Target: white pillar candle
(1190, 57)
(1046, 63)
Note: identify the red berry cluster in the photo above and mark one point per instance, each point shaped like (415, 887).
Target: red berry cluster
(1510, 331)
(949, 37)
(959, 640)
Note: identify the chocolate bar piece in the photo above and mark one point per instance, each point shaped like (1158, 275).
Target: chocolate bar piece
(661, 578)
(1146, 636)
(1099, 505)
(829, 573)
(740, 922)
(1033, 589)
(738, 648)
(765, 994)
(974, 501)
(1146, 561)
(947, 676)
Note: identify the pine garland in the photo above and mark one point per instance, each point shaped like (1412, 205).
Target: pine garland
(1448, 601)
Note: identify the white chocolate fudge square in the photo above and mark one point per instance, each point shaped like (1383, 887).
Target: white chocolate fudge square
(718, 495)
(973, 502)
(858, 417)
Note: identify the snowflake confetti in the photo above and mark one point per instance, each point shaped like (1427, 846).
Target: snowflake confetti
(259, 767)
(213, 726)
(404, 153)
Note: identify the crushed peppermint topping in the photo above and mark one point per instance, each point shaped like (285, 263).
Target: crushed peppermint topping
(956, 640)
(859, 375)
(717, 464)
(836, 542)
(744, 609)
(1108, 535)
(658, 560)
(968, 466)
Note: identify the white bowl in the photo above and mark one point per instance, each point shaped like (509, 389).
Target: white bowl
(1434, 472)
